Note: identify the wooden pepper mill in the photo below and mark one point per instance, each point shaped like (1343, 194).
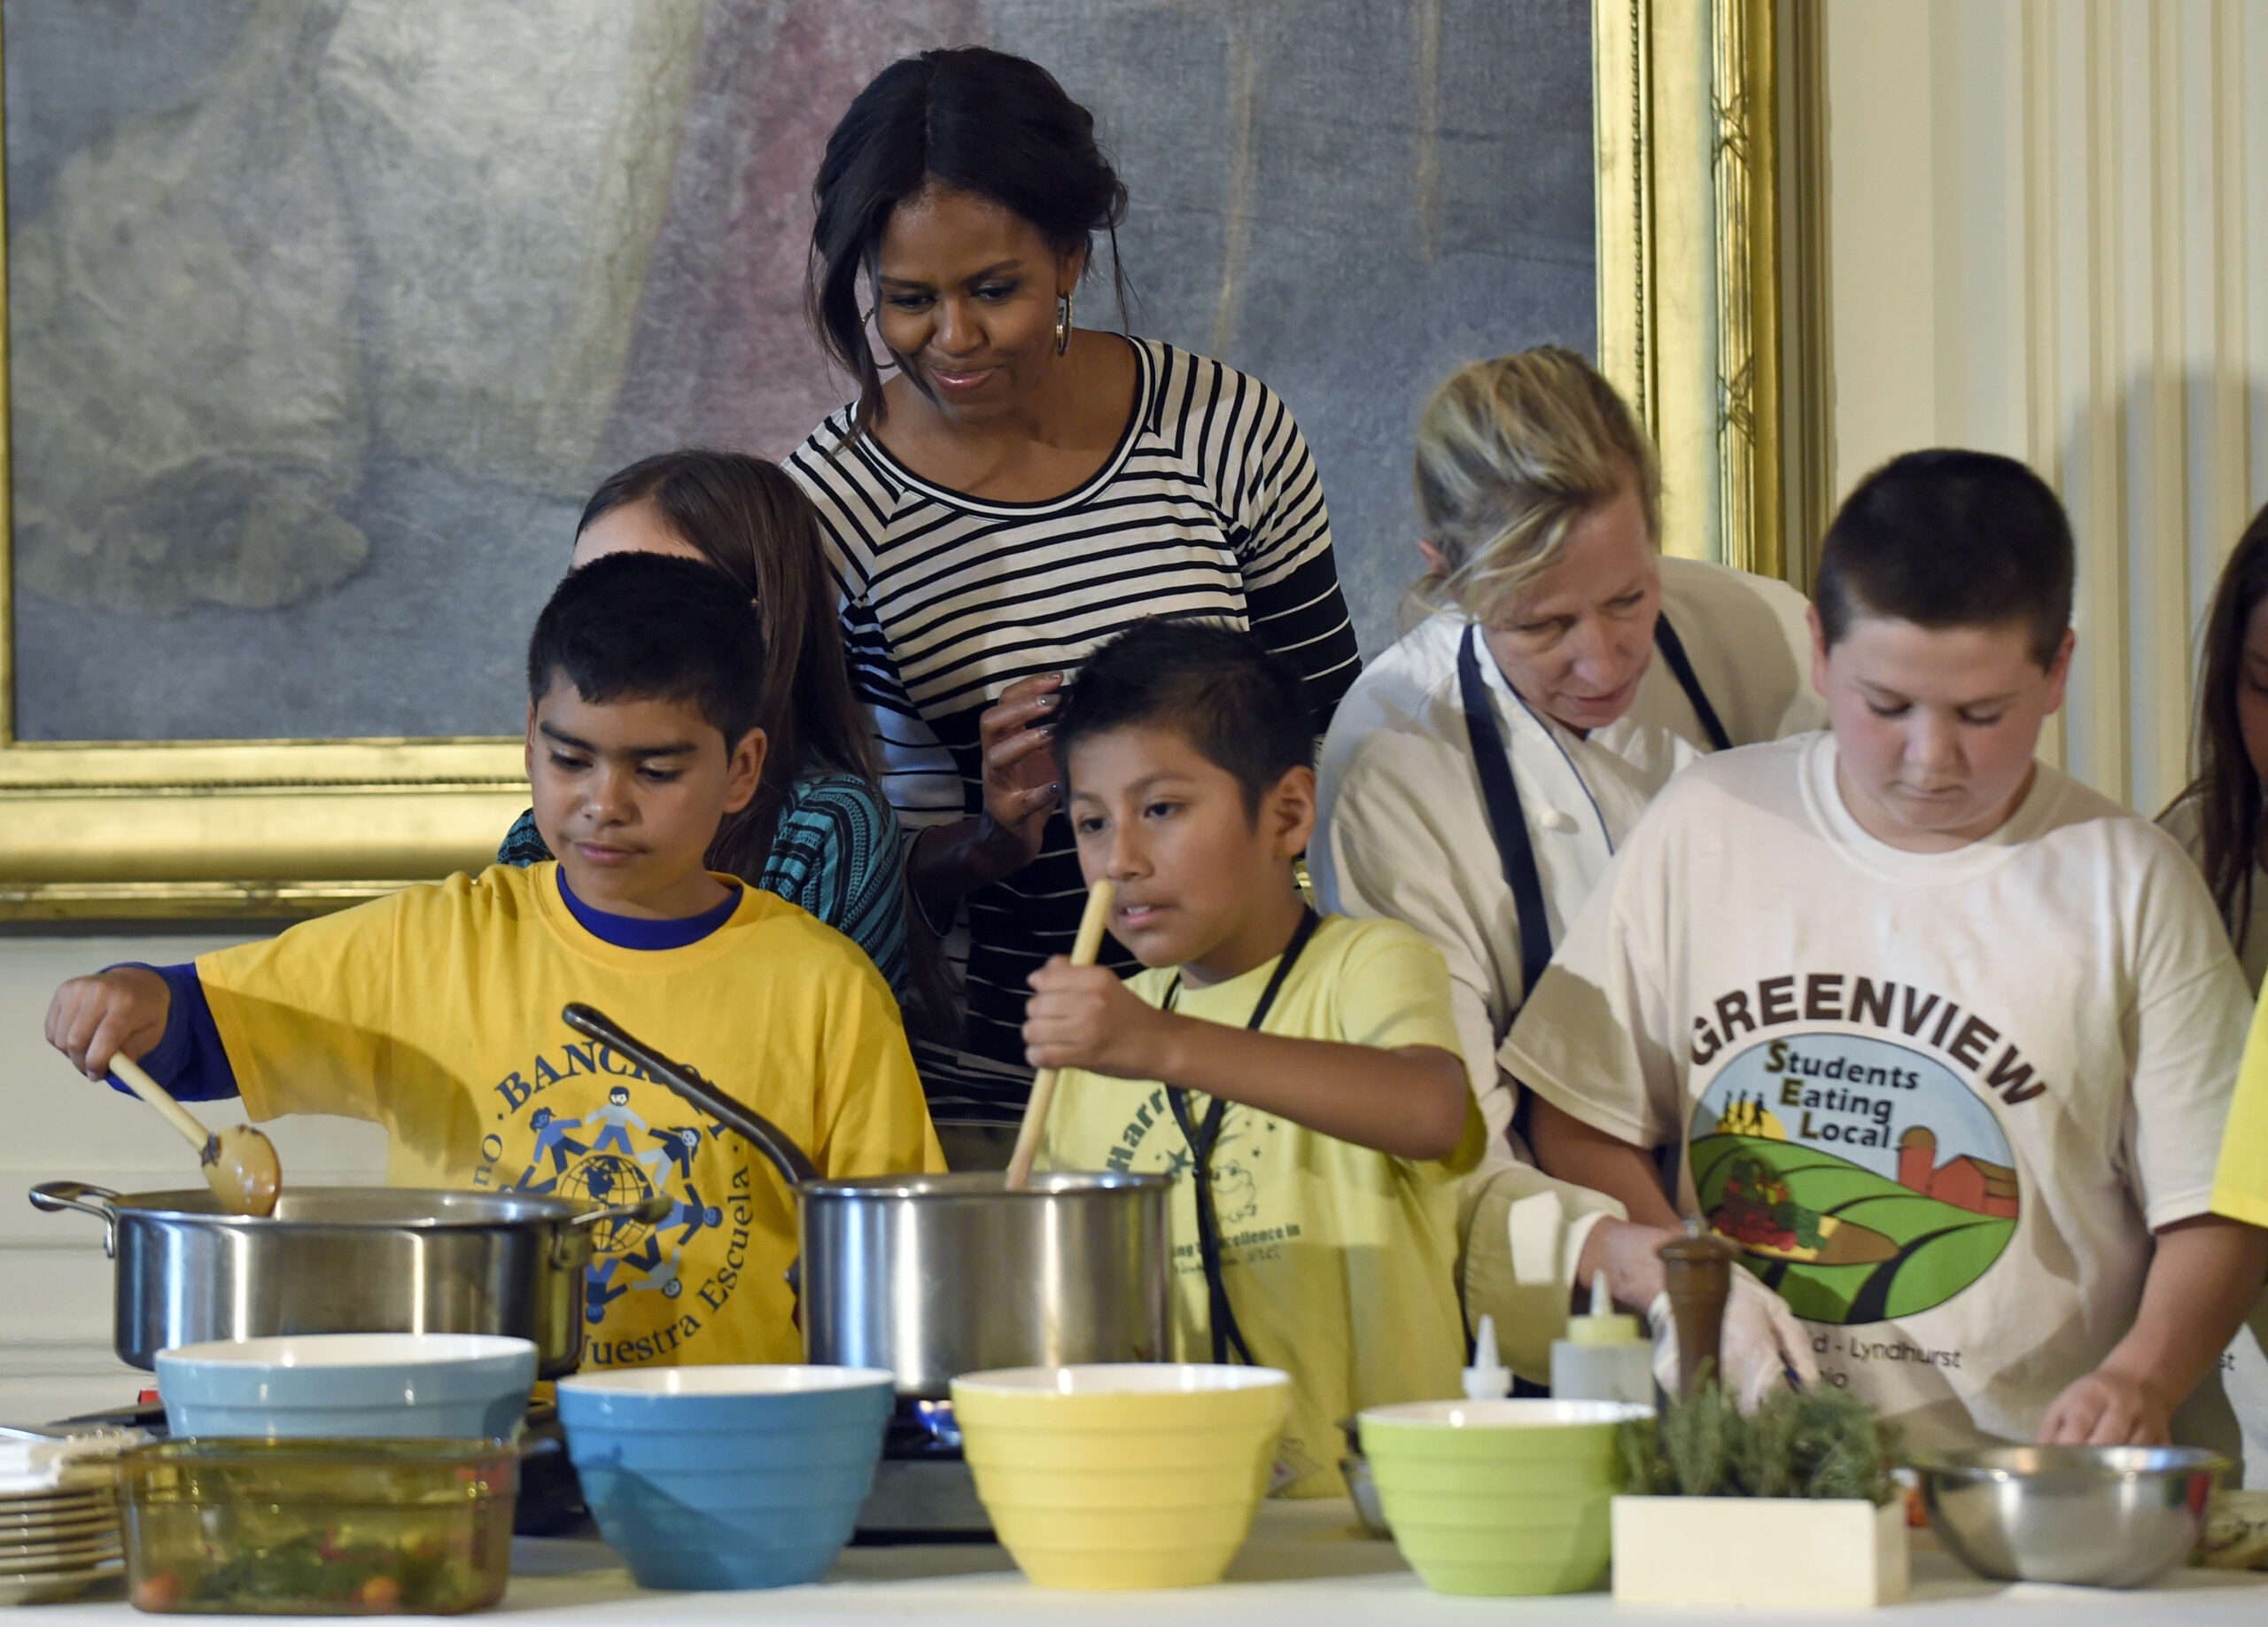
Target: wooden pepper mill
(1697, 1270)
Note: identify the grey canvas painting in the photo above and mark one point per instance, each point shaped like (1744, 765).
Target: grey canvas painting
(325, 315)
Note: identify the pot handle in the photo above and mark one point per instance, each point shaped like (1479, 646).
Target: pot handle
(794, 1164)
(56, 1196)
(648, 1210)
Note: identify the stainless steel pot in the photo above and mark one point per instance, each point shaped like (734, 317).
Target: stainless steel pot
(936, 1275)
(346, 1259)
(932, 1276)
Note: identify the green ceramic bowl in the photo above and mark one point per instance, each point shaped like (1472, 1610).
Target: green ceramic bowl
(1499, 1496)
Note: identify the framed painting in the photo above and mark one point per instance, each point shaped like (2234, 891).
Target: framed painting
(323, 316)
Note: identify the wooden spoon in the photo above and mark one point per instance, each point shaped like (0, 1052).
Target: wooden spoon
(240, 1163)
(1083, 949)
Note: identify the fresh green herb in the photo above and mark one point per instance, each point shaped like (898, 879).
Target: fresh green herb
(1818, 1443)
(314, 1568)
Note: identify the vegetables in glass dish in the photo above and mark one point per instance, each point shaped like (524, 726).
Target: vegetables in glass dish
(303, 1527)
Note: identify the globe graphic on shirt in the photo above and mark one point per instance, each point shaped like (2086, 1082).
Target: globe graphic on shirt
(603, 1181)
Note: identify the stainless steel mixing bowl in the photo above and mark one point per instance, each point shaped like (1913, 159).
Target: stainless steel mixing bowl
(2105, 1516)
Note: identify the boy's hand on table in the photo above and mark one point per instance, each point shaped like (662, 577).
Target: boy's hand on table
(91, 1019)
(2107, 1408)
(1083, 1017)
(2205, 1273)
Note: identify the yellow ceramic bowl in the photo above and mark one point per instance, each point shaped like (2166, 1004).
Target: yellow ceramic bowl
(1139, 1475)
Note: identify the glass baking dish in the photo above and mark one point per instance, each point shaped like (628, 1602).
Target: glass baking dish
(318, 1528)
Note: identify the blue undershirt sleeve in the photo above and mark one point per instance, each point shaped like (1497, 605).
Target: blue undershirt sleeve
(189, 1060)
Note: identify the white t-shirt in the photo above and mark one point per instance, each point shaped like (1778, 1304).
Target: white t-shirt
(1942, 1099)
(1403, 831)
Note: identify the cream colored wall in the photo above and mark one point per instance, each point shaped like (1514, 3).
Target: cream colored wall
(55, 1285)
(2048, 237)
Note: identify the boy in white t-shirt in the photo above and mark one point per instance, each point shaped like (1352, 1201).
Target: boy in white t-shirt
(1946, 1038)
(1296, 1074)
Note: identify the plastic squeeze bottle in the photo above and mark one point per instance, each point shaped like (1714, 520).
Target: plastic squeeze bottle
(1602, 1357)
(1487, 1379)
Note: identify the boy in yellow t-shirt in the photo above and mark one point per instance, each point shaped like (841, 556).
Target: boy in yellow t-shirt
(436, 1011)
(1297, 1075)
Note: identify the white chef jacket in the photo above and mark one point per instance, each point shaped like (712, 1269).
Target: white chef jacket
(1403, 829)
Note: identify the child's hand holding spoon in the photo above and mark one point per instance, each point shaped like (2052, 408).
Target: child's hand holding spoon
(102, 1022)
(240, 1163)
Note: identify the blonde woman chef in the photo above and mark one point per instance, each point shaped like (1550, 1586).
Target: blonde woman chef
(1479, 776)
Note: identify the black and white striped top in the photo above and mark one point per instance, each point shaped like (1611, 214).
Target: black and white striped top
(1208, 506)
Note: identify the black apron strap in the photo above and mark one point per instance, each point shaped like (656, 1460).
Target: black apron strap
(1506, 821)
(1672, 649)
(1202, 1138)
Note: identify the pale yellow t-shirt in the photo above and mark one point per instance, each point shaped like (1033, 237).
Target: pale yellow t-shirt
(2241, 1175)
(435, 1012)
(1340, 1261)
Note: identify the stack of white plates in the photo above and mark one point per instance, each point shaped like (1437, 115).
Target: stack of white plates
(55, 1544)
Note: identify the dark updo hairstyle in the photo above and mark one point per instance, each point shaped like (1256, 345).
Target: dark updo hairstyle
(1950, 539)
(2227, 789)
(754, 524)
(977, 121)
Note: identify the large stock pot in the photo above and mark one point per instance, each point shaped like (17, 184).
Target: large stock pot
(933, 1276)
(346, 1259)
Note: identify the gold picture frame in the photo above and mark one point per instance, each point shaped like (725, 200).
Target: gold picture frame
(1689, 255)
(266, 829)
(216, 828)
(1711, 292)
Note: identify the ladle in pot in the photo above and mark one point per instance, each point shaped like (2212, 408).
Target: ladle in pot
(794, 1164)
(240, 1163)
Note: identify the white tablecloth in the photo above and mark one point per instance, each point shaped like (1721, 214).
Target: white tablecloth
(1307, 1565)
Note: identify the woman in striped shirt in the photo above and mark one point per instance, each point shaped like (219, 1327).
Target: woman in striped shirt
(818, 832)
(1019, 490)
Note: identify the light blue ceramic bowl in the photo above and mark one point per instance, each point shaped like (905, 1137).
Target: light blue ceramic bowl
(349, 1386)
(726, 1477)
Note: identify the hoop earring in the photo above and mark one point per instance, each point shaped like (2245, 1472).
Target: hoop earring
(1062, 323)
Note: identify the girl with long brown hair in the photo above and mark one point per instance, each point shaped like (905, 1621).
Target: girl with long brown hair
(2218, 816)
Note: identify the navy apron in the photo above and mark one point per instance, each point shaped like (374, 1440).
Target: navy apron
(1507, 822)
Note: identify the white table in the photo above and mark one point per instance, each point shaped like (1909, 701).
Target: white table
(1307, 1565)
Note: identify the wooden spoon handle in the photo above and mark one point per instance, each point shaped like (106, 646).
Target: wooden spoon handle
(138, 1080)
(1084, 950)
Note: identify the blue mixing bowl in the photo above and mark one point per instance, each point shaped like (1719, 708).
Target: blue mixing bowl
(726, 1477)
(349, 1387)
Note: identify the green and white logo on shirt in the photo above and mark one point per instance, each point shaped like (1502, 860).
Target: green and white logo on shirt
(1865, 1179)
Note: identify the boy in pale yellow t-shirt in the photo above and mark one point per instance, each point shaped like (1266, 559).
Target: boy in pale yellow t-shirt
(436, 1011)
(1298, 1076)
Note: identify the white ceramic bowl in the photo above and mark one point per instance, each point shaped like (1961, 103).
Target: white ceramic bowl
(349, 1386)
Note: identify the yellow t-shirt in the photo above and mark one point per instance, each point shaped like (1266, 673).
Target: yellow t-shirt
(435, 1012)
(1340, 1261)
(2241, 1175)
